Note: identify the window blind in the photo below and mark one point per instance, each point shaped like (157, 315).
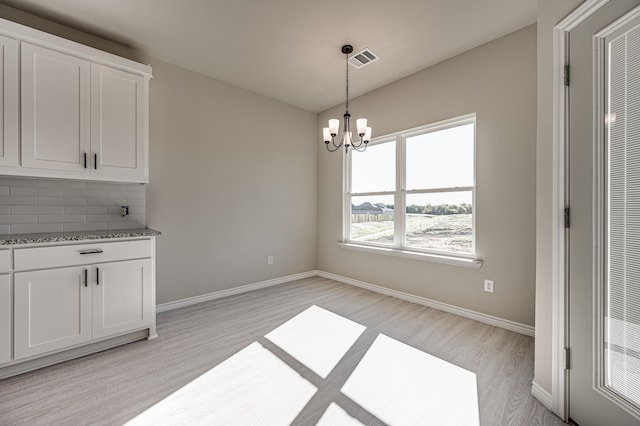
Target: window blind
(622, 169)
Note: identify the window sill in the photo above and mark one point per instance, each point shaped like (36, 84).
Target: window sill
(448, 260)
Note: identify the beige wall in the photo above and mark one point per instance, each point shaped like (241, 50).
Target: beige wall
(550, 12)
(498, 82)
(232, 181)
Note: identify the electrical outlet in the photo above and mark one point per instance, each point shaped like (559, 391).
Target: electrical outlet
(269, 260)
(488, 286)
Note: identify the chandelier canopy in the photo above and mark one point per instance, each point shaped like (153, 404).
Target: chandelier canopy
(329, 133)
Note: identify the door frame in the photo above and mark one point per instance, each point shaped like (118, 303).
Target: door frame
(559, 396)
(559, 252)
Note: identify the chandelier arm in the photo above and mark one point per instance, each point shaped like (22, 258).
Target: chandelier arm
(333, 141)
(329, 148)
(359, 147)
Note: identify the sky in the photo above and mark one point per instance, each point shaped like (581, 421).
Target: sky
(443, 158)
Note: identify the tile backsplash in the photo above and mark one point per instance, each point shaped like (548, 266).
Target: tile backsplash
(49, 205)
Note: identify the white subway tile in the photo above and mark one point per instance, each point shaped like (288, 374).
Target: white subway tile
(11, 181)
(102, 186)
(9, 219)
(4, 190)
(46, 183)
(5, 229)
(61, 218)
(47, 192)
(124, 225)
(106, 201)
(18, 201)
(95, 226)
(37, 209)
(61, 201)
(30, 228)
(138, 202)
(136, 187)
(85, 210)
(94, 193)
(105, 218)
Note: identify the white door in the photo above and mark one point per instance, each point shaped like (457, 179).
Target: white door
(121, 297)
(8, 102)
(604, 234)
(55, 109)
(52, 310)
(118, 123)
(5, 318)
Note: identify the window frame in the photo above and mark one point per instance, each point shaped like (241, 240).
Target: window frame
(399, 247)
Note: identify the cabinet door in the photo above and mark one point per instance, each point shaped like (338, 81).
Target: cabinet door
(5, 318)
(56, 90)
(118, 123)
(121, 297)
(52, 310)
(8, 102)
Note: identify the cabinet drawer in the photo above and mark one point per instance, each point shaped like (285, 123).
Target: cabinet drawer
(5, 260)
(79, 254)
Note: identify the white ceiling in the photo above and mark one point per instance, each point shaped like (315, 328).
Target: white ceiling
(290, 49)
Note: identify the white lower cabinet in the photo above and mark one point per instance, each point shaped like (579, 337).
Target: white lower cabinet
(5, 318)
(52, 310)
(121, 297)
(70, 295)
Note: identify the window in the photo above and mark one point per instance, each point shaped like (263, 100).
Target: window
(414, 190)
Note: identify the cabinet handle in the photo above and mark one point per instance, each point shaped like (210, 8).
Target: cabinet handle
(93, 251)
(95, 161)
(97, 276)
(85, 159)
(85, 276)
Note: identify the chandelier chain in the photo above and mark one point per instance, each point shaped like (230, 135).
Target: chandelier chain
(346, 61)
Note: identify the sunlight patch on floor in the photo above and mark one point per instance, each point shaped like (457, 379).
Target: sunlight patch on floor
(317, 338)
(252, 387)
(336, 415)
(402, 385)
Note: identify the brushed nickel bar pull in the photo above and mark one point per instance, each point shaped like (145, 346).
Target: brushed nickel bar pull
(95, 161)
(85, 277)
(97, 276)
(94, 251)
(85, 159)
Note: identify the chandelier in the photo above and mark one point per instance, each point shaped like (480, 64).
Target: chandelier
(329, 133)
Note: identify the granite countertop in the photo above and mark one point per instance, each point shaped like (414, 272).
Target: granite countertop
(54, 237)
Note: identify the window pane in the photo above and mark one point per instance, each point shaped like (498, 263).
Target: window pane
(372, 219)
(440, 221)
(375, 169)
(441, 159)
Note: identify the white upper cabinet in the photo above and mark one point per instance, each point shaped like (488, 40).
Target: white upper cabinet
(83, 113)
(56, 95)
(9, 88)
(118, 122)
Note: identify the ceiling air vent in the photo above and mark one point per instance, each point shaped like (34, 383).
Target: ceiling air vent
(362, 58)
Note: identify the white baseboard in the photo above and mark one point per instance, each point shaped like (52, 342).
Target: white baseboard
(467, 313)
(542, 395)
(232, 291)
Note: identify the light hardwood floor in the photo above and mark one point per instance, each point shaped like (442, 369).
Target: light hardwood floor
(115, 386)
